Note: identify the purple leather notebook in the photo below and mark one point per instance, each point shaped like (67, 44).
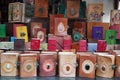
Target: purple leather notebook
(97, 32)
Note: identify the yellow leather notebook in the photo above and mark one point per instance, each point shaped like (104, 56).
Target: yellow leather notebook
(21, 32)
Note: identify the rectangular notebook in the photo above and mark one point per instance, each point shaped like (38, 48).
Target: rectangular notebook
(110, 36)
(21, 32)
(2, 30)
(95, 11)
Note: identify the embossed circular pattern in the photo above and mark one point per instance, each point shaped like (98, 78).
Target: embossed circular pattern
(48, 65)
(41, 35)
(104, 67)
(67, 68)
(76, 36)
(29, 66)
(40, 10)
(72, 11)
(8, 67)
(87, 66)
(61, 27)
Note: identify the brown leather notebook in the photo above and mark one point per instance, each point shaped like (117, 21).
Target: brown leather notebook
(41, 8)
(28, 65)
(105, 65)
(73, 7)
(52, 21)
(61, 26)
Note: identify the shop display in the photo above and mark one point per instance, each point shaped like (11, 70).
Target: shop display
(59, 38)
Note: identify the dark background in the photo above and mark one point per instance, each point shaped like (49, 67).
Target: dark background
(9, 31)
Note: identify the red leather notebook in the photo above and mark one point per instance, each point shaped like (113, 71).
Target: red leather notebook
(82, 45)
(52, 43)
(67, 43)
(35, 44)
(101, 45)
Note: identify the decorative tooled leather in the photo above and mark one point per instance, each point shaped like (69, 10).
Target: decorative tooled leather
(8, 67)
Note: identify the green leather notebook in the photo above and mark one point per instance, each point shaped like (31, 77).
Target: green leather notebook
(2, 30)
(110, 36)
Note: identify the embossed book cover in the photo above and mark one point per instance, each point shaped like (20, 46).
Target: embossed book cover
(97, 32)
(52, 21)
(48, 64)
(79, 30)
(110, 36)
(34, 27)
(73, 7)
(16, 12)
(86, 61)
(9, 64)
(67, 64)
(28, 65)
(115, 17)
(41, 8)
(105, 65)
(94, 12)
(61, 26)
